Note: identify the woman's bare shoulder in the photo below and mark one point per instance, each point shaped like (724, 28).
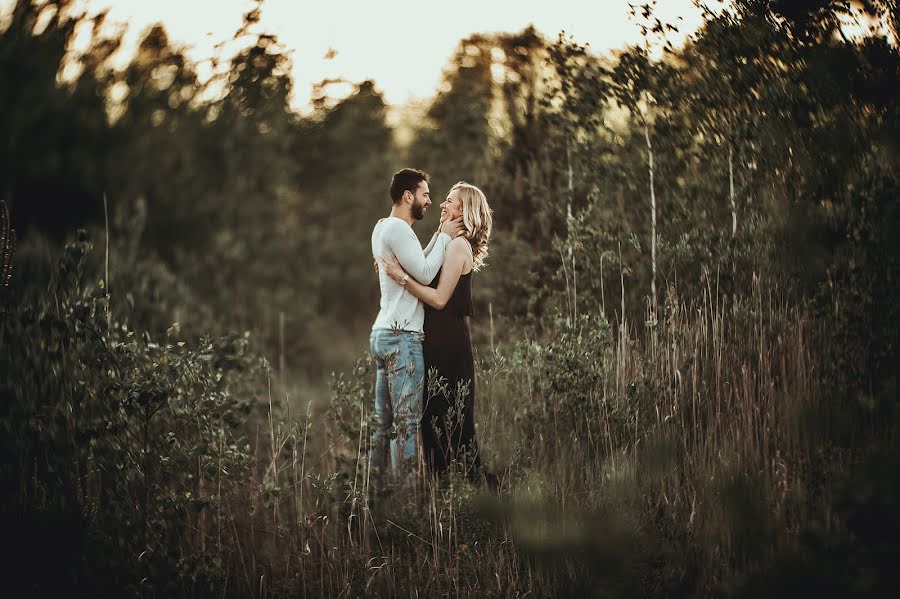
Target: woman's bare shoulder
(460, 249)
(460, 244)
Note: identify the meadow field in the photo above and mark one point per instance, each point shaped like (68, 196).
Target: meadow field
(687, 333)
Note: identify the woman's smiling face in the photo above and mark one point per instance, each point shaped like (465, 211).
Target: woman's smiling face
(451, 207)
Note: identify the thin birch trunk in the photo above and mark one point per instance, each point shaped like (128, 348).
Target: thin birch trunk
(571, 193)
(652, 216)
(106, 265)
(731, 190)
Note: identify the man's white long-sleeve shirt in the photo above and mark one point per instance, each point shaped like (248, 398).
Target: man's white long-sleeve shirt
(400, 309)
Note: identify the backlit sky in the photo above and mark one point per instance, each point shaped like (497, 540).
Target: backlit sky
(402, 44)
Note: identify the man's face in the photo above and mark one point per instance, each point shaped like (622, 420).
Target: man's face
(421, 201)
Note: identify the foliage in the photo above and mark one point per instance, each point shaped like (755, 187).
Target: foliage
(119, 439)
(686, 338)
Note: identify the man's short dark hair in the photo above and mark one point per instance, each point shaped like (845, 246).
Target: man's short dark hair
(407, 179)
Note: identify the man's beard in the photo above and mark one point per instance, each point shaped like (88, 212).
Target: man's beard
(418, 211)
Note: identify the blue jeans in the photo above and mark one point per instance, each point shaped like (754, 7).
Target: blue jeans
(399, 382)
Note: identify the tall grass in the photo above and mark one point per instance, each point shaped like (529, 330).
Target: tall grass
(673, 456)
(631, 459)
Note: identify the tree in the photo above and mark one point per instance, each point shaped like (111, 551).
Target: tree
(55, 132)
(157, 139)
(455, 142)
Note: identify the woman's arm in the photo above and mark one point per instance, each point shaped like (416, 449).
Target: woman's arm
(454, 263)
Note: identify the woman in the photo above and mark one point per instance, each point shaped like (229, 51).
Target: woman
(448, 420)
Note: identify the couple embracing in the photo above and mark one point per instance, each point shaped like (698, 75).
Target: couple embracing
(421, 344)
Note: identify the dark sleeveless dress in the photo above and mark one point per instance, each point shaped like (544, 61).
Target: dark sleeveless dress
(448, 418)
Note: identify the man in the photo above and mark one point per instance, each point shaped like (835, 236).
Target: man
(397, 334)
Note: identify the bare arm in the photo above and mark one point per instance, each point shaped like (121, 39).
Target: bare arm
(456, 260)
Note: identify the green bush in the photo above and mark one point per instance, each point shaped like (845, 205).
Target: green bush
(130, 440)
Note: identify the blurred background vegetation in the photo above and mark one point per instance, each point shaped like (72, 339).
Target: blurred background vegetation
(687, 334)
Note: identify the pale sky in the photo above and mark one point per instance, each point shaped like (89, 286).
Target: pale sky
(402, 44)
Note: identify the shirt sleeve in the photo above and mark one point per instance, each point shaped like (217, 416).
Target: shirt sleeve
(431, 244)
(405, 246)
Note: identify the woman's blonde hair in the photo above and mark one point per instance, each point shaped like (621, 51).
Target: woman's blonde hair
(477, 219)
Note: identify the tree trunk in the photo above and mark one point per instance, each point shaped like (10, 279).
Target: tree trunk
(731, 190)
(570, 195)
(652, 216)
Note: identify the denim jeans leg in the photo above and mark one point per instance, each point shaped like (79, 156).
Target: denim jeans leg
(384, 413)
(407, 381)
(398, 395)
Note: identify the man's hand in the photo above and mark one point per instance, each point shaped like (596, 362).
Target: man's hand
(453, 228)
